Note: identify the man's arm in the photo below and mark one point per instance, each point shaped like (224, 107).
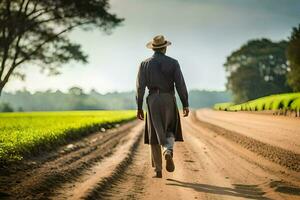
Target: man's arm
(140, 91)
(181, 89)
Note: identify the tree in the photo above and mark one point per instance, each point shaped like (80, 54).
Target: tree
(36, 32)
(5, 107)
(246, 83)
(293, 55)
(76, 91)
(258, 68)
(20, 109)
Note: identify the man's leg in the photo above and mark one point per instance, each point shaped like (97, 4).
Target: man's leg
(156, 158)
(168, 152)
(168, 146)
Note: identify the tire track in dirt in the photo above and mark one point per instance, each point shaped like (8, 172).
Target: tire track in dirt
(279, 131)
(241, 167)
(101, 175)
(64, 165)
(130, 184)
(275, 154)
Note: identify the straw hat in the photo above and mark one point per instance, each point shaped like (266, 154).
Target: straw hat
(158, 42)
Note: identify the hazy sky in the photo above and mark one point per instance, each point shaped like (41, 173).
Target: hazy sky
(202, 32)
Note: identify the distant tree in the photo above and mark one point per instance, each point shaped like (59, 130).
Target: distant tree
(76, 91)
(94, 92)
(246, 83)
(78, 99)
(257, 69)
(5, 107)
(20, 109)
(293, 55)
(35, 32)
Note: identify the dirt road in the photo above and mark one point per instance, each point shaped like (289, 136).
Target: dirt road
(216, 161)
(280, 131)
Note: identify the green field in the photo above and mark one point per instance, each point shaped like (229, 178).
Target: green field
(27, 133)
(279, 102)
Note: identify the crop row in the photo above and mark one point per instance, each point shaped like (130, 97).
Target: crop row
(24, 134)
(279, 103)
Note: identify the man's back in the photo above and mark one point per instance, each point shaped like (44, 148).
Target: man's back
(161, 72)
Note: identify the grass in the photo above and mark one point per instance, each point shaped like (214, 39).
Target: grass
(279, 102)
(223, 106)
(27, 133)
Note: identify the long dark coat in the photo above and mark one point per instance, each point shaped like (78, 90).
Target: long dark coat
(161, 72)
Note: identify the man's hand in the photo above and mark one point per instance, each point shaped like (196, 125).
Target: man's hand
(140, 114)
(186, 111)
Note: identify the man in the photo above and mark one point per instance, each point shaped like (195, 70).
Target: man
(159, 74)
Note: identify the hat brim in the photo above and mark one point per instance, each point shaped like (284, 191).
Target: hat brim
(150, 45)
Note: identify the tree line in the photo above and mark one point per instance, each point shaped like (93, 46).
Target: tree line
(262, 67)
(77, 99)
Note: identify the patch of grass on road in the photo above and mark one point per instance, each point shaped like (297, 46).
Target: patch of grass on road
(27, 133)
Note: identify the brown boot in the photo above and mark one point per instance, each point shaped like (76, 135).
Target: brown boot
(170, 167)
(158, 175)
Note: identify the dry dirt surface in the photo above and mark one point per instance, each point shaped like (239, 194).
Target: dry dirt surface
(224, 156)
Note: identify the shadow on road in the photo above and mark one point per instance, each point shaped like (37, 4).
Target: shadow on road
(282, 187)
(245, 191)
